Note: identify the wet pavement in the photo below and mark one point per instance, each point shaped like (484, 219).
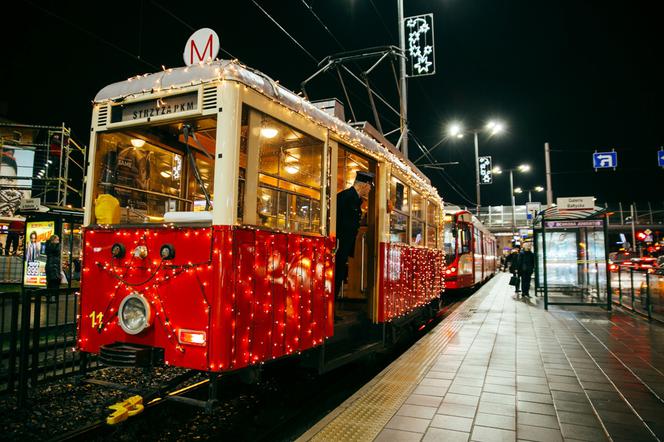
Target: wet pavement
(502, 368)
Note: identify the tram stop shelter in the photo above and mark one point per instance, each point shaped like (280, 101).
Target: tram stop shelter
(572, 265)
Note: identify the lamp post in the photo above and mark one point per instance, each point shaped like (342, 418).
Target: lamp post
(493, 127)
(534, 189)
(521, 168)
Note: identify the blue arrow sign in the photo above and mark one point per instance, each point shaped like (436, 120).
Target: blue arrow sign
(605, 160)
(660, 158)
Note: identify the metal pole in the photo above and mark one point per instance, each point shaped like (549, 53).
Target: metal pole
(513, 202)
(403, 92)
(477, 173)
(530, 197)
(547, 163)
(631, 210)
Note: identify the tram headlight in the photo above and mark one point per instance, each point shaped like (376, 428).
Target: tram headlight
(134, 314)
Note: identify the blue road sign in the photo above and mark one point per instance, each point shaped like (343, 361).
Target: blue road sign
(660, 158)
(605, 160)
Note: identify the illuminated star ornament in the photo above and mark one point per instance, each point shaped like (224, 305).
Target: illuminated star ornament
(420, 34)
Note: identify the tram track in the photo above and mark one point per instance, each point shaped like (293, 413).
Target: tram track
(281, 408)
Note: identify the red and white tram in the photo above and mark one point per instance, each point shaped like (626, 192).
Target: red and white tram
(470, 250)
(210, 224)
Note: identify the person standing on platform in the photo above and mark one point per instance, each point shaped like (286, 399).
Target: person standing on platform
(511, 264)
(525, 267)
(53, 271)
(349, 214)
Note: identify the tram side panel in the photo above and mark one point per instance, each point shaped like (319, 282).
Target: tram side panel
(246, 295)
(410, 277)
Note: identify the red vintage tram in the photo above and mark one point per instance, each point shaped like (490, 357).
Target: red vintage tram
(210, 226)
(470, 250)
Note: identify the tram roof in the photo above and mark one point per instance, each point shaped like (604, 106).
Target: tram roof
(182, 77)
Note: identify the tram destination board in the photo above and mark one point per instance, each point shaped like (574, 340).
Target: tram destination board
(174, 104)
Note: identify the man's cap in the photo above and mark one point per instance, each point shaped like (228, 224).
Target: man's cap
(365, 177)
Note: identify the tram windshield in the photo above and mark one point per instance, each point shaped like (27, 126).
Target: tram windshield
(449, 240)
(146, 171)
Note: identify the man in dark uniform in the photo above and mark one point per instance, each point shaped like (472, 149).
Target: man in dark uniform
(349, 213)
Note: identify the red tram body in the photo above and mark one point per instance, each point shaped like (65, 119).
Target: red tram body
(470, 250)
(221, 256)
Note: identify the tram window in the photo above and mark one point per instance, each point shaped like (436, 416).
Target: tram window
(348, 165)
(449, 241)
(146, 170)
(242, 172)
(400, 214)
(433, 220)
(289, 176)
(465, 238)
(417, 227)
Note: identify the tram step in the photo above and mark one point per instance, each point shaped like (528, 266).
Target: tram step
(120, 354)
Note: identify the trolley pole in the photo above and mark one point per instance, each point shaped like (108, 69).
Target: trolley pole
(403, 93)
(547, 163)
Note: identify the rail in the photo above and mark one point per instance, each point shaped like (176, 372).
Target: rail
(639, 290)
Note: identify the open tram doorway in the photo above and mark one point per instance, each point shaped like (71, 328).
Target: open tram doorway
(354, 297)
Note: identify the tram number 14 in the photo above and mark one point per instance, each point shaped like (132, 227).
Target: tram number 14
(96, 319)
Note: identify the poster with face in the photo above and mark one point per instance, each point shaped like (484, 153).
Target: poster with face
(14, 162)
(37, 233)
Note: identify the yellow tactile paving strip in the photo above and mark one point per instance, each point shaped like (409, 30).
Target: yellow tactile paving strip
(367, 412)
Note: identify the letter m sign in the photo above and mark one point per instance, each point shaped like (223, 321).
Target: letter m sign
(203, 45)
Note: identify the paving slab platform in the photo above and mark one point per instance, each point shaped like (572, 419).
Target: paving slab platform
(502, 368)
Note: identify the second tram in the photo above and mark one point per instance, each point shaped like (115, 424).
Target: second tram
(470, 250)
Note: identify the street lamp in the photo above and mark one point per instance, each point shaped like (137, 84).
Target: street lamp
(534, 189)
(523, 168)
(493, 127)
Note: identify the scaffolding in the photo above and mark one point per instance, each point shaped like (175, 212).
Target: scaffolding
(48, 164)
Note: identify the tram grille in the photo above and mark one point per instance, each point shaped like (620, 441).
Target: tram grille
(102, 116)
(210, 98)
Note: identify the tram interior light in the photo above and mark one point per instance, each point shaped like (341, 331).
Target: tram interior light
(137, 142)
(269, 132)
(292, 169)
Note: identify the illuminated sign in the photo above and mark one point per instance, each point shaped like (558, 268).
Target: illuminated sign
(486, 175)
(37, 234)
(420, 59)
(155, 108)
(203, 45)
(576, 203)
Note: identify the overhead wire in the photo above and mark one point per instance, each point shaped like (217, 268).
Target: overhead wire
(285, 31)
(92, 34)
(187, 25)
(373, 90)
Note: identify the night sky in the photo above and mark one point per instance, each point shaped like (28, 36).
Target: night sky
(580, 75)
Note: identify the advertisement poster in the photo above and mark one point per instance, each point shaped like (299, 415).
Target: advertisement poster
(15, 162)
(36, 236)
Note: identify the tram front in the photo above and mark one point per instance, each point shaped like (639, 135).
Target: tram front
(148, 260)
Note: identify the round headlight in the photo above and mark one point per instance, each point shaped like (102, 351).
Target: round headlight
(134, 314)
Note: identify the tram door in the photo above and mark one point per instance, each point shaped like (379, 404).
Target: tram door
(358, 284)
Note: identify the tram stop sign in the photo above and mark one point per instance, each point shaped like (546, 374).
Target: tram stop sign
(203, 45)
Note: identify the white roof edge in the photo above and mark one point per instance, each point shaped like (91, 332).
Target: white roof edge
(177, 78)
